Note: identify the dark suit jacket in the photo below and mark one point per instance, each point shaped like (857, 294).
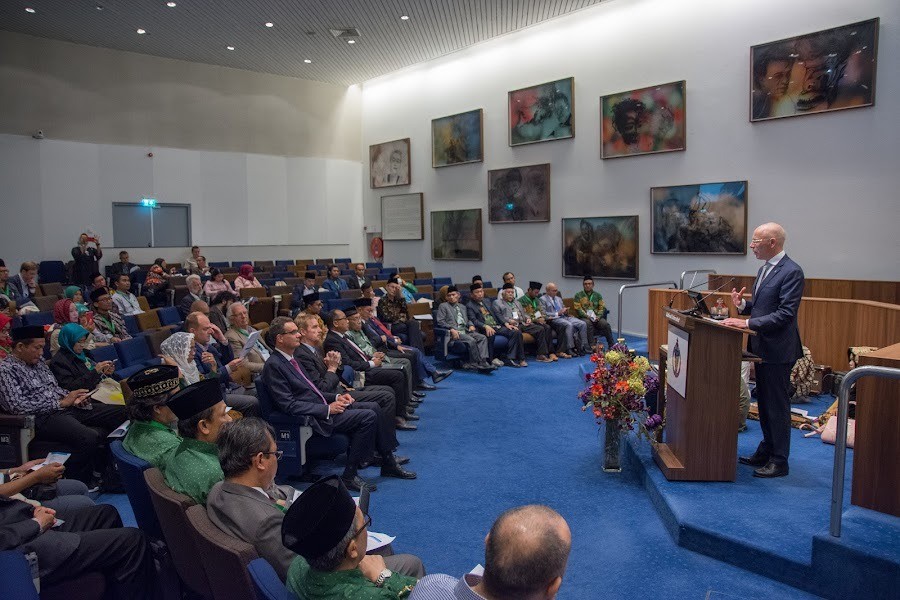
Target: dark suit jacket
(773, 314)
(474, 312)
(223, 354)
(19, 532)
(184, 307)
(71, 373)
(293, 396)
(349, 355)
(316, 371)
(353, 282)
(374, 334)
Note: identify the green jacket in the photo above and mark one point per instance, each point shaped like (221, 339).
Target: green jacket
(310, 584)
(151, 441)
(584, 303)
(193, 469)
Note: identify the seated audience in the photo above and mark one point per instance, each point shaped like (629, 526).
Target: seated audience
(202, 267)
(368, 426)
(334, 283)
(151, 435)
(110, 325)
(359, 277)
(392, 312)
(508, 311)
(217, 308)
(298, 296)
(66, 311)
(216, 284)
(590, 308)
(191, 264)
(71, 418)
(74, 293)
(71, 366)
(123, 267)
(482, 317)
(531, 306)
(6, 290)
(124, 302)
(245, 278)
(249, 505)
(557, 315)
(509, 277)
(87, 259)
(326, 527)
(369, 292)
(525, 556)
(238, 333)
(98, 281)
(24, 286)
(193, 468)
(177, 350)
(5, 338)
(407, 289)
(195, 291)
(44, 486)
(156, 283)
(72, 542)
(313, 306)
(453, 316)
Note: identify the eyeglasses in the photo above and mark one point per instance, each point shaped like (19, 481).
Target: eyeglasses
(341, 319)
(756, 242)
(367, 522)
(278, 453)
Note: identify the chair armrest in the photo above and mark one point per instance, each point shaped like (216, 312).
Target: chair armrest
(25, 423)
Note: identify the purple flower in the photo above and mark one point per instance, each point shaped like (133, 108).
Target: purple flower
(653, 422)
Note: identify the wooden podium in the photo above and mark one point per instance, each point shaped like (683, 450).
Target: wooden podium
(700, 437)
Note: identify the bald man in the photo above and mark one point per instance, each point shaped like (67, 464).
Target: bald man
(773, 317)
(525, 556)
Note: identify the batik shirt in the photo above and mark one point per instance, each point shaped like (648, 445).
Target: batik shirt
(306, 582)
(585, 302)
(109, 326)
(28, 390)
(392, 310)
(531, 306)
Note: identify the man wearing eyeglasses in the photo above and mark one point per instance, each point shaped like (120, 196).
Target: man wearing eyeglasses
(250, 506)
(773, 317)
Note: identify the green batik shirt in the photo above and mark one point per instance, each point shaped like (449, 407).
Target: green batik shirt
(584, 303)
(151, 441)
(362, 340)
(308, 583)
(193, 469)
(530, 305)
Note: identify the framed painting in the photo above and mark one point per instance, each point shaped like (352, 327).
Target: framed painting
(456, 234)
(457, 139)
(541, 113)
(519, 194)
(602, 247)
(706, 218)
(818, 72)
(644, 121)
(389, 164)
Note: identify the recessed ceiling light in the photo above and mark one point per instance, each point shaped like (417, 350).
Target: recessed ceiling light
(230, 47)
(171, 4)
(351, 41)
(270, 24)
(141, 31)
(307, 61)
(29, 10)
(404, 18)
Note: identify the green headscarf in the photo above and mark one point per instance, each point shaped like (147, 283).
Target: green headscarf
(71, 334)
(70, 291)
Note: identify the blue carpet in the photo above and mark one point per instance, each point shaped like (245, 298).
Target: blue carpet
(490, 442)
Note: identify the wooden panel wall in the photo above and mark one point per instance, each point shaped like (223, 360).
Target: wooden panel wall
(828, 326)
(854, 289)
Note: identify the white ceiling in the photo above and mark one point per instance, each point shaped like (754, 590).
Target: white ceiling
(201, 30)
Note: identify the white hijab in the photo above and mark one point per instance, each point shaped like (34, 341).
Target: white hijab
(180, 348)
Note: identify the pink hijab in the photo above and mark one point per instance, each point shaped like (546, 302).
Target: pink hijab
(246, 272)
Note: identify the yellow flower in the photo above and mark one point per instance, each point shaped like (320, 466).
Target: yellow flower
(637, 386)
(614, 357)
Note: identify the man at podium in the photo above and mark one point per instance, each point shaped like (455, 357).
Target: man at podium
(773, 316)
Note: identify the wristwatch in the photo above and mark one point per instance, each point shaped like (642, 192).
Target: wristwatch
(382, 577)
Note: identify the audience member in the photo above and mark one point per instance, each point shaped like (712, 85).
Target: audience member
(508, 311)
(217, 308)
(407, 289)
(123, 267)
(177, 350)
(334, 283)
(74, 293)
(369, 292)
(326, 527)
(156, 283)
(110, 325)
(216, 284)
(481, 315)
(124, 302)
(193, 468)
(453, 316)
(195, 291)
(301, 291)
(525, 557)
(27, 387)
(5, 338)
(314, 307)
(239, 332)
(392, 311)
(44, 486)
(359, 277)
(87, 259)
(192, 264)
(531, 306)
(71, 366)
(6, 290)
(98, 282)
(557, 315)
(202, 267)
(509, 277)
(151, 436)
(591, 309)
(64, 311)
(245, 278)
(24, 285)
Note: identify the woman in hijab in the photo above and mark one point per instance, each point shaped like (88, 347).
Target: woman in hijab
(5, 339)
(246, 279)
(74, 293)
(178, 351)
(71, 366)
(64, 311)
(216, 284)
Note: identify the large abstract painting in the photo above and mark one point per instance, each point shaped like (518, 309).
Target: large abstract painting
(706, 218)
(542, 112)
(644, 121)
(456, 234)
(602, 247)
(457, 139)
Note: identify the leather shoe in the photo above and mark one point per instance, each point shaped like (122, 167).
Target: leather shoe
(377, 461)
(771, 470)
(426, 386)
(756, 460)
(438, 376)
(403, 425)
(396, 471)
(358, 483)
(411, 417)
(416, 394)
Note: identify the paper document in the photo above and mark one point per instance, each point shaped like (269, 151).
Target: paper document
(378, 540)
(120, 431)
(249, 344)
(53, 457)
(424, 317)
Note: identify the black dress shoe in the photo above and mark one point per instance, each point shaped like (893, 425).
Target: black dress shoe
(416, 394)
(426, 386)
(403, 425)
(411, 417)
(358, 483)
(771, 470)
(756, 460)
(438, 376)
(396, 471)
(401, 460)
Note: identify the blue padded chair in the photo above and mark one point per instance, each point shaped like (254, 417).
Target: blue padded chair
(282, 274)
(328, 295)
(423, 282)
(38, 318)
(284, 263)
(342, 260)
(448, 350)
(442, 281)
(267, 283)
(237, 264)
(316, 267)
(17, 583)
(338, 304)
(101, 353)
(134, 355)
(220, 264)
(426, 295)
(488, 284)
(169, 315)
(131, 470)
(266, 581)
(374, 265)
(131, 325)
(51, 271)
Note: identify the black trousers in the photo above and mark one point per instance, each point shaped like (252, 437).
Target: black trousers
(541, 335)
(773, 400)
(419, 371)
(515, 349)
(120, 553)
(394, 379)
(83, 433)
(599, 327)
(413, 332)
(381, 395)
(370, 428)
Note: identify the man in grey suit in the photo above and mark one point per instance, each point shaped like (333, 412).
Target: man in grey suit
(453, 316)
(249, 506)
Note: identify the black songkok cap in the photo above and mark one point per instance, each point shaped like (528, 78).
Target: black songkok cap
(350, 311)
(394, 279)
(319, 519)
(196, 398)
(28, 332)
(534, 285)
(365, 286)
(452, 288)
(476, 286)
(310, 275)
(100, 291)
(476, 278)
(311, 297)
(153, 381)
(361, 302)
(508, 286)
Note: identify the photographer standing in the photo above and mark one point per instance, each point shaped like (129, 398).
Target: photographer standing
(87, 259)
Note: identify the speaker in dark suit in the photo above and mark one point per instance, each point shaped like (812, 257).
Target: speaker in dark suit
(773, 317)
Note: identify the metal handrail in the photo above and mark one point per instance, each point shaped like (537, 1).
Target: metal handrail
(636, 285)
(840, 443)
(694, 271)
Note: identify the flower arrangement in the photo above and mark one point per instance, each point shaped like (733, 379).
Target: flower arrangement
(616, 390)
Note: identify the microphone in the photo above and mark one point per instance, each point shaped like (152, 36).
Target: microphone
(675, 295)
(700, 301)
(717, 289)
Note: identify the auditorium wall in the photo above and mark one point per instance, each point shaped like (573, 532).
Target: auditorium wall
(830, 179)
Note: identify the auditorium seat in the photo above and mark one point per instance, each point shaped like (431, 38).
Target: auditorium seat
(169, 315)
(52, 271)
(224, 558)
(351, 294)
(143, 303)
(45, 303)
(18, 585)
(156, 338)
(281, 275)
(262, 310)
(237, 264)
(134, 355)
(266, 581)
(37, 318)
(442, 281)
(131, 324)
(149, 320)
(267, 265)
(131, 471)
(284, 263)
(338, 304)
(219, 265)
(418, 282)
(374, 265)
(424, 275)
(250, 292)
(52, 288)
(343, 260)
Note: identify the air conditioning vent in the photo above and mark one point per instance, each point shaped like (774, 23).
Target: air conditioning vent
(345, 33)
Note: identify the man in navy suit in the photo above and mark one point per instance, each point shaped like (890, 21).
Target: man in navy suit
(293, 393)
(773, 317)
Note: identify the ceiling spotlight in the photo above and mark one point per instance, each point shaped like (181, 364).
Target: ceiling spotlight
(270, 24)
(171, 4)
(404, 18)
(229, 47)
(141, 31)
(29, 10)
(351, 41)
(98, 6)
(307, 61)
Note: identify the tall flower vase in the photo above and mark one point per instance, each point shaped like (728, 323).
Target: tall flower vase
(612, 447)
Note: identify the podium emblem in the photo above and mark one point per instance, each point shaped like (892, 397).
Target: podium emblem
(676, 360)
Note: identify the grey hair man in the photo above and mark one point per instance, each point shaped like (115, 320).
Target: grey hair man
(195, 293)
